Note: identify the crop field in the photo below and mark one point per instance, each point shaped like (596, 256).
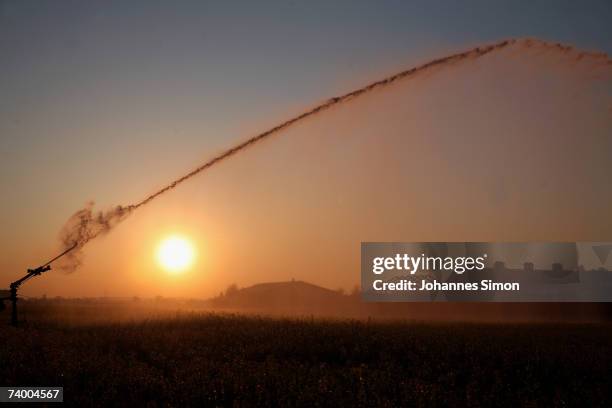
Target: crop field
(212, 359)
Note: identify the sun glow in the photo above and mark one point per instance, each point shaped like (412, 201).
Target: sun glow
(175, 254)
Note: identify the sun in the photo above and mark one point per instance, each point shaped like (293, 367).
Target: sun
(175, 254)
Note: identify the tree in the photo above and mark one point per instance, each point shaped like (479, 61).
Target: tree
(231, 289)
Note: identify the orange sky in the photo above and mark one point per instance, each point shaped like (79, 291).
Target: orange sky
(514, 147)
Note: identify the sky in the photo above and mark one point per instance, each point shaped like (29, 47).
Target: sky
(108, 101)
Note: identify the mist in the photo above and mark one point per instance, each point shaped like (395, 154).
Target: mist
(439, 149)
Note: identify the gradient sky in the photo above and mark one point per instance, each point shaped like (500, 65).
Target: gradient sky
(110, 100)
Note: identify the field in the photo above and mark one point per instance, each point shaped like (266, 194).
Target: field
(210, 359)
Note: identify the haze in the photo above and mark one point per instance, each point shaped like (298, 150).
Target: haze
(110, 103)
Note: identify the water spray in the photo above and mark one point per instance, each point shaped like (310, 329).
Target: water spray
(87, 224)
(31, 273)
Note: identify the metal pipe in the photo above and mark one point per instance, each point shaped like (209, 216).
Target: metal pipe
(13, 306)
(31, 273)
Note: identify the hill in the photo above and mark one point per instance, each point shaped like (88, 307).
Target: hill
(285, 297)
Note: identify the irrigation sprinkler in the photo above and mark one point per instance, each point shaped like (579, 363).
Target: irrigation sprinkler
(12, 292)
